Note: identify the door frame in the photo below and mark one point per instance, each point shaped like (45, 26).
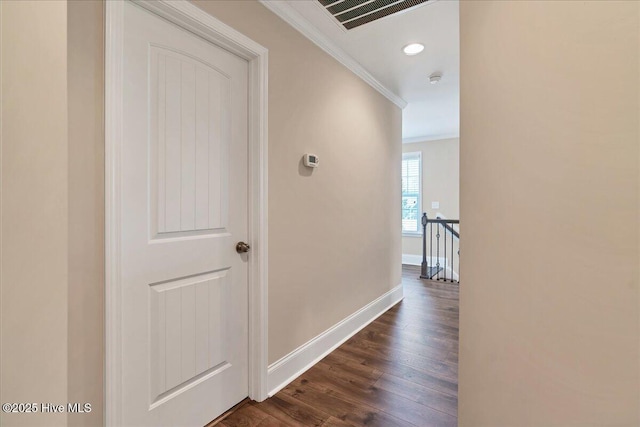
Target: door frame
(197, 21)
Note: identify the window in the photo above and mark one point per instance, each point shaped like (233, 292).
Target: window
(411, 206)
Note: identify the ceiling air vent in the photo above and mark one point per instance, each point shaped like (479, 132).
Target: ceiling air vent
(353, 13)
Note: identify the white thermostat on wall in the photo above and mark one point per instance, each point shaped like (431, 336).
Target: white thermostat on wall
(311, 160)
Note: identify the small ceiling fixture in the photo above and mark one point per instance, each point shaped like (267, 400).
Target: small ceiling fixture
(413, 49)
(435, 78)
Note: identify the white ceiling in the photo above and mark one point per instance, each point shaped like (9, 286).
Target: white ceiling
(433, 110)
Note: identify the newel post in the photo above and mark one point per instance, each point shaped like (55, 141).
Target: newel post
(424, 266)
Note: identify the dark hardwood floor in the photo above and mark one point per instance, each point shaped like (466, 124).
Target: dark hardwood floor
(401, 370)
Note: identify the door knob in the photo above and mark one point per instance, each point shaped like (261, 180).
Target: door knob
(242, 247)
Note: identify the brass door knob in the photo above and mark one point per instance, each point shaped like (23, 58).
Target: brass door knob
(242, 247)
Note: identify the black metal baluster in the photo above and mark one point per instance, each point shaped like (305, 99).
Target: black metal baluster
(452, 254)
(424, 267)
(430, 249)
(438, 252)
(459, 261)
(428, 264)
(445, 250)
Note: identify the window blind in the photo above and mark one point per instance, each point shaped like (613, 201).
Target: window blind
(411, 205)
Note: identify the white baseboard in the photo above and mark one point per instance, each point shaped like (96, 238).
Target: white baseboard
(294, 364)
(410, 259)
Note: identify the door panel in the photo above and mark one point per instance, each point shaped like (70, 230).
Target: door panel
(187, 323)
(184, 207)
(191, 102)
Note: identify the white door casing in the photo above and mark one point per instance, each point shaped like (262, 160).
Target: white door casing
(186, 315)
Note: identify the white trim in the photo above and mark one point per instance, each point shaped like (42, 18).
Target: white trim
(297, 21)
(331, 18)
(411, 259)
(416, 139)
(291, 366)
(195, 20)
(114, 26)
(413, 233)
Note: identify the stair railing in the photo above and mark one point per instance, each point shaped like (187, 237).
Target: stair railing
(431, 260)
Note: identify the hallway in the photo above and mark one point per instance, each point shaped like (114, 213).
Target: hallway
(401, 370)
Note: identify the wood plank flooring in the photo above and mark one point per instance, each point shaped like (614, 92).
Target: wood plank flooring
(401, 370)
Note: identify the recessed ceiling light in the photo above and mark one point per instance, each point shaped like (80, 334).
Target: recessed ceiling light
(413, 49)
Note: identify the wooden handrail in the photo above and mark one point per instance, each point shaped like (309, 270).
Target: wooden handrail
(441, 220)
(445, 223)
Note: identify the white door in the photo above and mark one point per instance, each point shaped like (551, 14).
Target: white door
(184, 208)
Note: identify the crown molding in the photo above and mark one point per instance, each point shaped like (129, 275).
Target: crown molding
(427, 138)
(297, 21)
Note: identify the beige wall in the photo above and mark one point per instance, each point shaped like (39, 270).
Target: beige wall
(86, 208)
(34, 211)
(440, 182)
(334, 244)
(52, 194)
(550, 189)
